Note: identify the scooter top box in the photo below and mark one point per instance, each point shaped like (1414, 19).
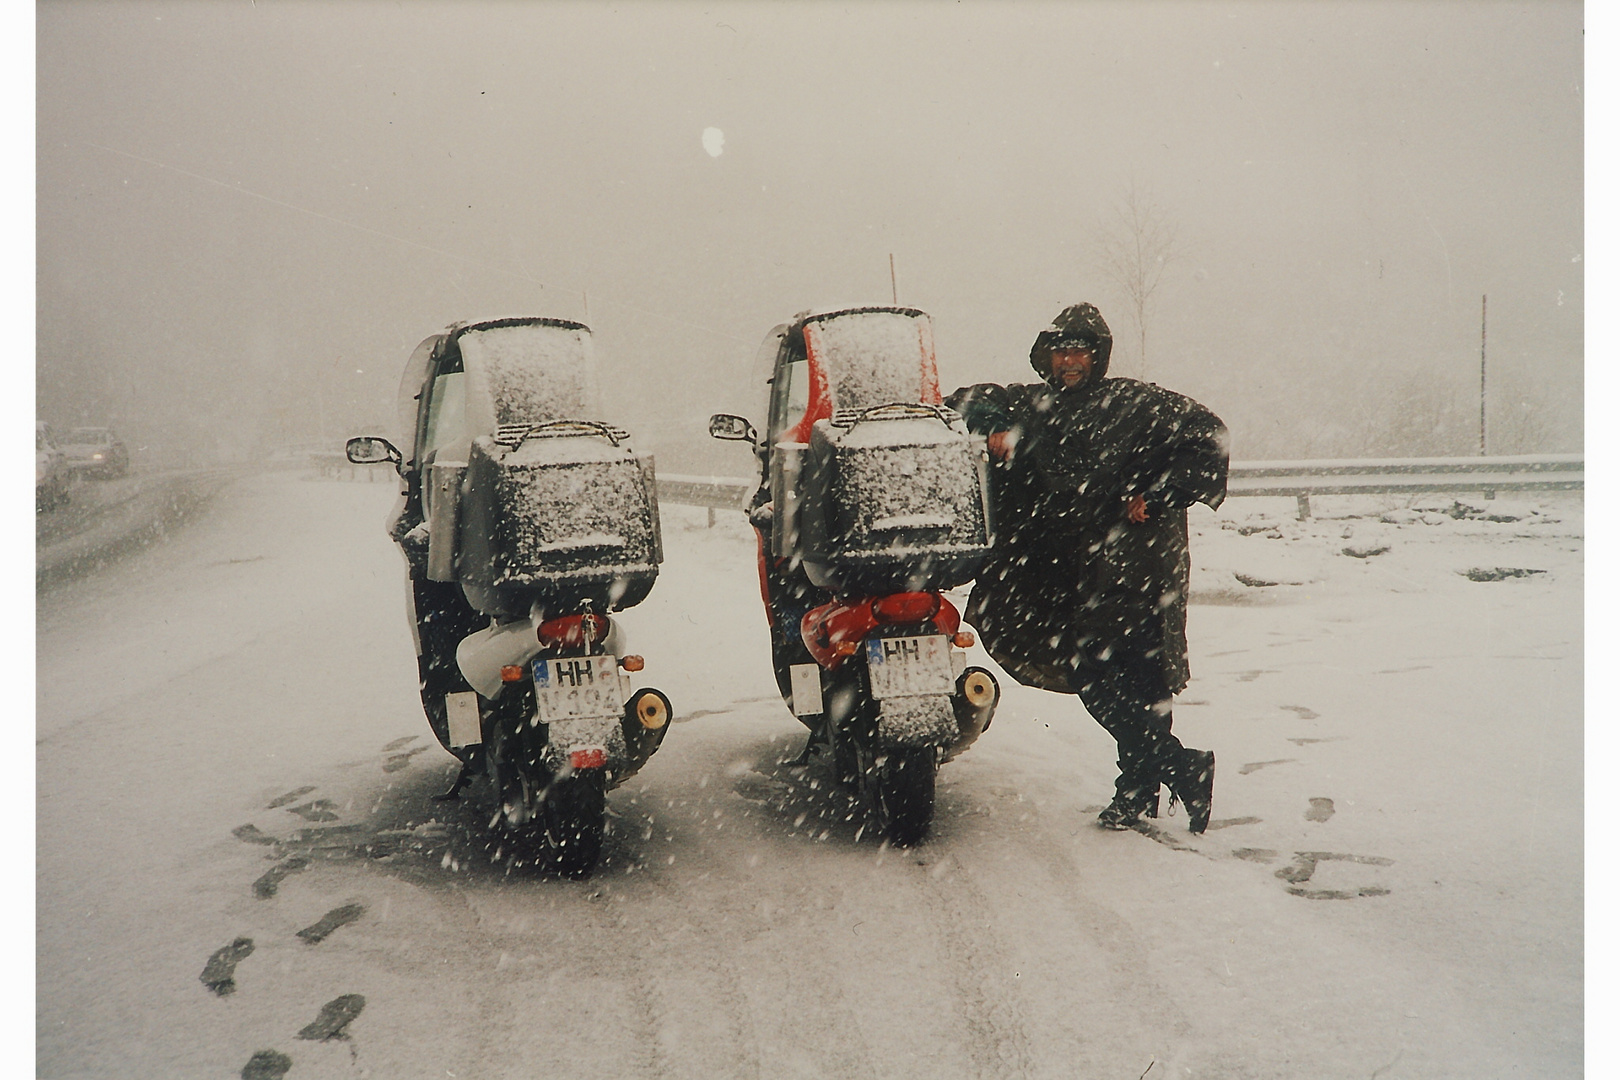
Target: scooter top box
(568, 506)
(544, 500)
(881, 487)
(896, 497)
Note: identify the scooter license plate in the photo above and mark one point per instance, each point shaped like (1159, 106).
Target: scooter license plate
(907, 666)
(574, 686)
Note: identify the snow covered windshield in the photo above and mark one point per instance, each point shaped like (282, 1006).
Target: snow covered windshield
(531, 372)
(872, 357)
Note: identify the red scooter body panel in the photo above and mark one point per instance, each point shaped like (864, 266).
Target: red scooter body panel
(824, 628)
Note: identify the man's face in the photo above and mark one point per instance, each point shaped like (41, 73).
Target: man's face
(1071, 365)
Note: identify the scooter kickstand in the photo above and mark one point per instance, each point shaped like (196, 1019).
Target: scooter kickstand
(816, 739)
(454, 794)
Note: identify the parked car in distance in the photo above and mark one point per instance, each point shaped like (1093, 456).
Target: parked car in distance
(95, 452)
(51, 474)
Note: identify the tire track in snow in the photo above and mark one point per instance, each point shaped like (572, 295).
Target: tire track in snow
(1084, 963)
(761, 976)
(997, 1043)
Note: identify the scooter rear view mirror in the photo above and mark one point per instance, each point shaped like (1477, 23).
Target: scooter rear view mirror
(370, 450)
(730, 426)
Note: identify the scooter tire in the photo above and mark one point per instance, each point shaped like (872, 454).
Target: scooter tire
(574, 811)
(906, 793)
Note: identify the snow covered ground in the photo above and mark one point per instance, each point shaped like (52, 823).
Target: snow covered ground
(230, 747)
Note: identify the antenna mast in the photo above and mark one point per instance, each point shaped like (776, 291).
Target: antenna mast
(1482, 300)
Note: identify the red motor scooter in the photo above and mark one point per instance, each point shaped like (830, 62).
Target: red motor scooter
(874, 498)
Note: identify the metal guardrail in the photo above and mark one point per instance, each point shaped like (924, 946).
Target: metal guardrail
(1298, 480)
(335, 464)
(1382, 476)
(715, 492)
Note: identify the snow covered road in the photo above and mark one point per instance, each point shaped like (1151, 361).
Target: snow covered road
(230, 748)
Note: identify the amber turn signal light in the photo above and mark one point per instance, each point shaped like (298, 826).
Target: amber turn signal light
(963, 640)
(511, 673)
(632, 663)
(845, 648)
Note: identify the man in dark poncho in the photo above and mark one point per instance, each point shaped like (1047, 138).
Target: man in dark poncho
(1086, 591)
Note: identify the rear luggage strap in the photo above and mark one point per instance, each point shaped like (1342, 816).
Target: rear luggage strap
(514, 435)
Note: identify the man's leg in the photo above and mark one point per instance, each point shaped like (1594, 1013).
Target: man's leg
(1127, 695)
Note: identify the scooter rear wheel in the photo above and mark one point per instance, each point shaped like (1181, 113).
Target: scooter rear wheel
(906, 793)
(573, 811)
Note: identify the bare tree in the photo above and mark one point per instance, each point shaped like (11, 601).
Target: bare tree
(1134, 245)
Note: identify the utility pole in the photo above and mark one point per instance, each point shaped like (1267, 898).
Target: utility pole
(1482, 300)
(894, 290)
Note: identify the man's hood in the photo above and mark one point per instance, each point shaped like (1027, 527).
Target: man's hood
(1081, 321)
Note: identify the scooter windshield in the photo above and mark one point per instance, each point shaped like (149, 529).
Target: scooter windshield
(532, 371)
(874, 357)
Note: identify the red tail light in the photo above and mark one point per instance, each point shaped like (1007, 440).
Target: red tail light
(587, 629)
(906, 607)
(593, 758)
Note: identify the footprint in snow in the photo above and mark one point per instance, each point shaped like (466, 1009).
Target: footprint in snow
(319, 810)
(1227, 823)
(397, 743)
(266, 1065)
(283, 800)
(267, 885)
(1321, 810)
(339, 916)
(1245, 770)
(1153, 832)
(1366, 552)
(250, 834)
(219, 974)
(1302, 712)
(1498, 573)
(335, 1016)
(396, 762)
(1304, 866)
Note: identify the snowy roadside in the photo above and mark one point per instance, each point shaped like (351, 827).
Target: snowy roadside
(1391, 884)
(107, 519)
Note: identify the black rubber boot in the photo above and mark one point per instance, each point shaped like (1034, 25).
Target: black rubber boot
(1192, 782)
(1133, 800)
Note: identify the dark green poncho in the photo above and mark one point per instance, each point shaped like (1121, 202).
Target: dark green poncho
(1071, 578)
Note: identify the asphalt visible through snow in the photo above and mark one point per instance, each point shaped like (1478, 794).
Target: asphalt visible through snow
(104, 520)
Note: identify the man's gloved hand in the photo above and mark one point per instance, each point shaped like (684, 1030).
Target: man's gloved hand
(414, 544)
(760, 517)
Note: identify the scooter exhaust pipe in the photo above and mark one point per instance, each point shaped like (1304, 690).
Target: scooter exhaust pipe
(974, 703)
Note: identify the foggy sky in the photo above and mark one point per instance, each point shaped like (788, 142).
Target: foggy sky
(249, 213)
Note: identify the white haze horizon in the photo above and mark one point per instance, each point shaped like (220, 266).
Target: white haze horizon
(249, 214)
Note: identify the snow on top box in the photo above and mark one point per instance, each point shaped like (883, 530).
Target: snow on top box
(553, 505)
(897, 499)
